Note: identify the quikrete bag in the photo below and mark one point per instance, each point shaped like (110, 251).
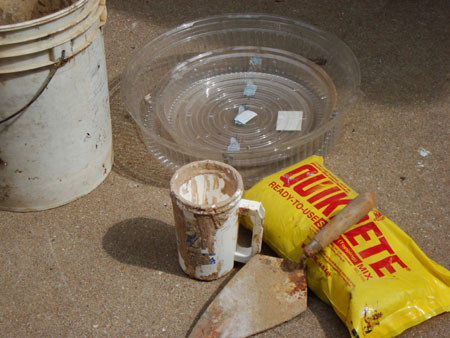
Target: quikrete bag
(374, 276)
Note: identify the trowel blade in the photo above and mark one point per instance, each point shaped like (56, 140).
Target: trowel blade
(266, 292)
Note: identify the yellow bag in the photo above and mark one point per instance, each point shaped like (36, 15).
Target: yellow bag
(375, 277)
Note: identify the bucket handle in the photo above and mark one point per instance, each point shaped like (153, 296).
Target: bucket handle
(59, 63)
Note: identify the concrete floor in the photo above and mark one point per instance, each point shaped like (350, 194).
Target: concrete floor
(105, 264)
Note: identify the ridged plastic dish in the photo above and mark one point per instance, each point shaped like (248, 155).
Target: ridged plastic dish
(186, 87)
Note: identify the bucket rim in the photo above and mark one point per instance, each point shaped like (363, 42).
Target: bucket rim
(44, 19)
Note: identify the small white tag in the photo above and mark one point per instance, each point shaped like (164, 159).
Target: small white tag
(243, 117)
(289, 120)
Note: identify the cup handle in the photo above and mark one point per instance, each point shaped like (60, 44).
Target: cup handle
(256, 212)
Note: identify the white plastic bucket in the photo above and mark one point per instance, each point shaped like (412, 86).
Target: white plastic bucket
(55, 127)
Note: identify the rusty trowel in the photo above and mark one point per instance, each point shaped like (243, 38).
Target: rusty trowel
(269, 291)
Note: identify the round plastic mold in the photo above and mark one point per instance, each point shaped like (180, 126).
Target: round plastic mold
(185, 89)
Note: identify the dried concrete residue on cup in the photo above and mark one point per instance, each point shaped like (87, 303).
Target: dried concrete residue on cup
(12, 11)
(206, 185)
(205, 198)
(204, 189)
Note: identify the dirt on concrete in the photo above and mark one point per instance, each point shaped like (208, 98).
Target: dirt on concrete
(106, 264)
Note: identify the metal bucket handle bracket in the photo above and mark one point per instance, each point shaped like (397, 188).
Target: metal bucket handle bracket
(61, 61)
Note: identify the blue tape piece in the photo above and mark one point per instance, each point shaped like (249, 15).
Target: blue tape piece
(255, 61)
(250, 90)
(234, 144)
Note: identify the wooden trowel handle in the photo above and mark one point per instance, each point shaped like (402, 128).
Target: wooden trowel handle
(351, 214)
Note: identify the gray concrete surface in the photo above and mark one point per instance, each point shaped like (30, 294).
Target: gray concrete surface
(105, 264)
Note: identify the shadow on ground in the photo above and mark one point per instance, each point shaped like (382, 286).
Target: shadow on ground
(331, 324)
(145, 242)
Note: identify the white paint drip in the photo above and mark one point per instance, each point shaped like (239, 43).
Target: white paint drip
(423, 152)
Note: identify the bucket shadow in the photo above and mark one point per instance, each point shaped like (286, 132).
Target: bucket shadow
(144, 242)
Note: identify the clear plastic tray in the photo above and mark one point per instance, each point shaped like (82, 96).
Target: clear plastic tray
(185, 89)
